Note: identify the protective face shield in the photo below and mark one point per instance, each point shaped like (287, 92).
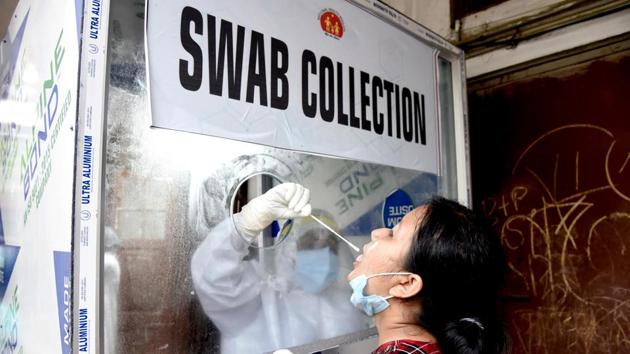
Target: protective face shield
(370, 304)
(316, 269)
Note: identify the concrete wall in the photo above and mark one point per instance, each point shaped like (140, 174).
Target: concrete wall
(434, 14)
(517, 32)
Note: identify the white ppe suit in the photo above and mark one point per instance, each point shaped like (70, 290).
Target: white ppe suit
(256, 312)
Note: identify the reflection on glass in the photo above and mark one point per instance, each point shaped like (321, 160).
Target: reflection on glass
(292, 294)
(250, 188)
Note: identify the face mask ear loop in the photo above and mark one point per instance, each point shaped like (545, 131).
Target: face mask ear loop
(383, 274)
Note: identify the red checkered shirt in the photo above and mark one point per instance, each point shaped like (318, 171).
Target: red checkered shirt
(407, 346)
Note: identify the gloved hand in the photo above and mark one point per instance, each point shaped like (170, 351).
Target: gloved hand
(284, 201)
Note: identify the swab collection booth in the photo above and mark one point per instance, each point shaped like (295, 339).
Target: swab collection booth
(132, 131)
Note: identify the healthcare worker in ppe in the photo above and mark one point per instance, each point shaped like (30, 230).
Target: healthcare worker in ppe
(257, 310)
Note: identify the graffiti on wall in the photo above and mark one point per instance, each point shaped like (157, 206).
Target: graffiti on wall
(564, 220)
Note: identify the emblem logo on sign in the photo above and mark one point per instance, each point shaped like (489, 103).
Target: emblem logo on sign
(331, 23)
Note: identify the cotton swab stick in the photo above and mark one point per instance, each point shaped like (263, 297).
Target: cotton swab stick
(355, 248)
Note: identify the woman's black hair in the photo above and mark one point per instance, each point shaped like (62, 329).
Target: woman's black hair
(461, 262)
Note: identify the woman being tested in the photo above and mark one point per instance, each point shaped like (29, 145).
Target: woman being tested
(431, 282)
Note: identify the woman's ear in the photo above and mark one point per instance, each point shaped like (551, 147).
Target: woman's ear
(408, 286)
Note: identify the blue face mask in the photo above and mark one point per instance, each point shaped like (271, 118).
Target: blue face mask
(370, 304)
(316, 269)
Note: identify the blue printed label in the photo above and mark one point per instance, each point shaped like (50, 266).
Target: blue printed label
(84, 322)
(63, 281)
(86, 171)
(95, 18)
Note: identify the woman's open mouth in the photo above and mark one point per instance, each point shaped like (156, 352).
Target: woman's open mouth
(357, 260)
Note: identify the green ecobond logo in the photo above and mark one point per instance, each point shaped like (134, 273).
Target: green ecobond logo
(36, 161)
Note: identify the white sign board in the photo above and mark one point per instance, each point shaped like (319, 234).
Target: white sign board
(317, 76)
(39, 60)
